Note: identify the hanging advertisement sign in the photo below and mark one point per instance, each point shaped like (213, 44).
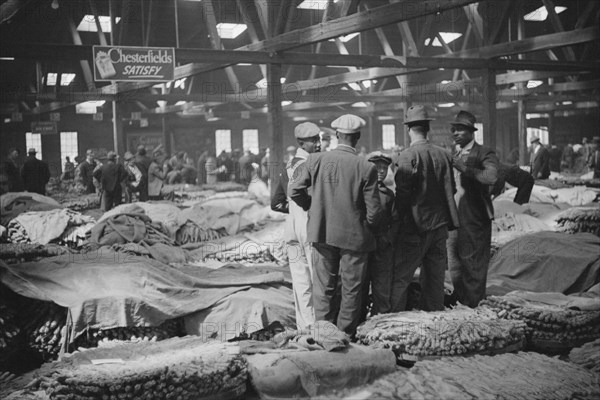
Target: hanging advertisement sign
(124, 63)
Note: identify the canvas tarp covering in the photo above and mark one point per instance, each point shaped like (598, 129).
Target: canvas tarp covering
(107, 290)
(546, 262)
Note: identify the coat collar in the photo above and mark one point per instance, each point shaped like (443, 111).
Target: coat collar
(345, 148)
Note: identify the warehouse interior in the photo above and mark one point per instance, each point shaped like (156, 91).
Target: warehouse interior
(191, 292)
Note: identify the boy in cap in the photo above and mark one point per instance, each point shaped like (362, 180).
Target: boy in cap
(469, 247)
(426, 210)
(381, 261)
(540, 159)
(111, 175)
(35, 173)
(343, 208)
(298, 248)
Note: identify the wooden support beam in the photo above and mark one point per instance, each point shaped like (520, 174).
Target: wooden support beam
(425, 31)
(458, 72)
(101, 36)
(252, 32)
(475, 22)
(263, 17)
(215, 40)
(349, 7)
(587, 13)
(558, 27)
(489, 108)
(285, 7)
(380, 16)
(88, 76)
(524, 76)
(502, 22)
(275, 123)
(537, 43)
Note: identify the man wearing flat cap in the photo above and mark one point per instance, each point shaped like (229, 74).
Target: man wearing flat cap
(469, 246)
(111, 175)
(381, 261)
(425, 189)
(299, 250)
(540, 159)
(342, 210)
(35, 173)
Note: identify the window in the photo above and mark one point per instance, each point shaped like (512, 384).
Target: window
(250, 138)
(34, 140)
(478, 133)
(68, 147)
(541, 132)
(388, 136)
(222, 141)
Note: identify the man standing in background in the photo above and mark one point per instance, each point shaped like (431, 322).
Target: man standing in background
(540, 160)
(342, 210)
(35, 173)
(469, 246)
(85, 172)
(143, 162)
(13, 171)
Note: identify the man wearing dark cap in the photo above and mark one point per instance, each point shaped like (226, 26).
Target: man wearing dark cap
(380, 268)
(469, 246)
(342, 210)
(425, 189)
(35, 173)
(111, 175)
(143, 163)
(540, 159)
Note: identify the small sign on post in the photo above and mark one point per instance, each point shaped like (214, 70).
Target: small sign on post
(44, 127)
(125, 63)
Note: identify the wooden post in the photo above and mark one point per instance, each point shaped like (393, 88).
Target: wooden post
(489, 108)
(274, 122)
(118, 139)
(522, 123)
(374, 142)
(166, 136)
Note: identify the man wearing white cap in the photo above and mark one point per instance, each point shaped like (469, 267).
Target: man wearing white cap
(297, 246)
(425, 188)
(343, 208)
(540, 159)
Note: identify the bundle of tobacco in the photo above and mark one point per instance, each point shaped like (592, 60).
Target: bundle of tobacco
(546, 322)
(180, 368)
(587, 356)
(579, 219)
(452, 332)
(526, 376)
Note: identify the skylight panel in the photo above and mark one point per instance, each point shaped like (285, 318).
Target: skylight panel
(317, 5)
(230, 31)
(542, 13)
(88, 23)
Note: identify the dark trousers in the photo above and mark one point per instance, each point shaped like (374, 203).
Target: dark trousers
(332, 264)
(468, 260)
(524, 192)
(379, 278)
(111, 199)
(428, 251)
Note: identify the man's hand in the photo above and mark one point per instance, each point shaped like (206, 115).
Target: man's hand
(459, 164)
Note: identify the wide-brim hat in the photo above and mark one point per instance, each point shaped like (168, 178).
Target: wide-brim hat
(416, 114)
(128, 156)
(465, 118)
(534, 139)
(31, 151)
